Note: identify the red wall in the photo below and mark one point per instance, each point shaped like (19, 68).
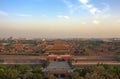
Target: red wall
(62, 58)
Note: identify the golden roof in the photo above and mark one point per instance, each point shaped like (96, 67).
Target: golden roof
(57, 47)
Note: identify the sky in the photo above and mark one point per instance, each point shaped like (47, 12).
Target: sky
(60, 18)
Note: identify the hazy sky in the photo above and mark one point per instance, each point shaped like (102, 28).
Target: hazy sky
(59, 18)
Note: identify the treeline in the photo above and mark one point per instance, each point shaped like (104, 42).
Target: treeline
(97, 72)
(21, 72)
(34, 42)
(35, 72)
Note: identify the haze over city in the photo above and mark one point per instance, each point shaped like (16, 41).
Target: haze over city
(60, 18)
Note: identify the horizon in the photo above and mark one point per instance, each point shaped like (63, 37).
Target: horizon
(60, 18)
(66, 38)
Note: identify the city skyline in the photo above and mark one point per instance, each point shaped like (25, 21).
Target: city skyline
(60, 18)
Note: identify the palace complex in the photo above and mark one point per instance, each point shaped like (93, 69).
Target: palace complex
(60, 50)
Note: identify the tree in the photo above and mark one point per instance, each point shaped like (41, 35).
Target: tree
(37, 69)
(28, 75)
(2, 73)
(37, 72)
(51, 76)
(99, 72)
(37, 76)
(22, 68)
(76, 75)
(12, 73)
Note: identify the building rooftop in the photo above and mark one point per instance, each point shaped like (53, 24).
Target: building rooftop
(57, 47)
(58, 65)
